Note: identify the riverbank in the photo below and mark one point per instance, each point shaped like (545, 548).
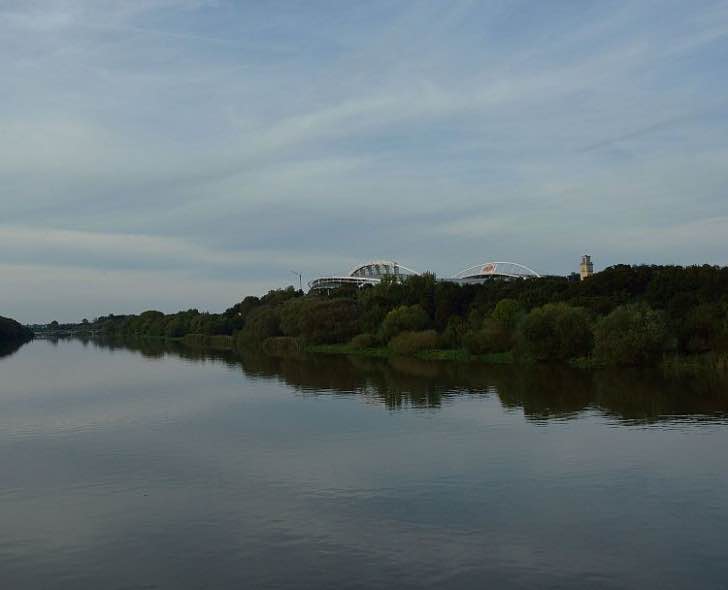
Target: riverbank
(459, 355)
(710, 366)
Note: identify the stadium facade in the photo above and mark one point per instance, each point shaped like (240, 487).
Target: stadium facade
(373, 272)
(363, 275)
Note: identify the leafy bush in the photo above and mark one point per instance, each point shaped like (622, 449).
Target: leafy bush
(292, 313)
(497, 331)
(475, 341)
(364, 341)
(410, 342)
(556, 332)
(702, 328)
(410, 318)
(329, 321)
(631, 335)
(507, 314)
(454, 333)
(261, 323)
(496, 336)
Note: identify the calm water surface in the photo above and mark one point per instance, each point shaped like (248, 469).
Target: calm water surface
(153, 468)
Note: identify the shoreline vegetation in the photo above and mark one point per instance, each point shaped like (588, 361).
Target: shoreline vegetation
(671, 317)
(12, 336)
(12, 332)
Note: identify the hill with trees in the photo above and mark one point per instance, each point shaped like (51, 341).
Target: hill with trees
(12, 332)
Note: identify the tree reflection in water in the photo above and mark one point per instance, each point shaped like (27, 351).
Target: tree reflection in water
(542, 392)
(8, 348)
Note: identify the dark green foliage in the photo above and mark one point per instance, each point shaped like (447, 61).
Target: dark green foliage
(546, 318)
(407, 343)
(507, 314)
(453, 335)
(703, 329)
(262, 323)
(329, 321)
(556, 332)
(236, 314)
(372, 314)
(632, 335)
(497, 332)
(155, 324)
(292, 313)
(365, 340)
(12, 331)
(411, 318)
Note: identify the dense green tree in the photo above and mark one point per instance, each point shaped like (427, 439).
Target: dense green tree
(410, 318)
(408, 342)
(702, 328)
(292, 313)
(262, 323)
(497, 331)
(452, 336)
(631, 335)
(556, 332)
(330, 321)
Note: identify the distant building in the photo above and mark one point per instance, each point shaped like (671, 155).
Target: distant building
(488, 271)
(586, 268)
(364, 275)
(373, 272)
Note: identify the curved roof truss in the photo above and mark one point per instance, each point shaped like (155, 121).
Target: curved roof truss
(497, 269)
(380, 268)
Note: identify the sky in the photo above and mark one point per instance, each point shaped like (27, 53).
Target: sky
(175, 154)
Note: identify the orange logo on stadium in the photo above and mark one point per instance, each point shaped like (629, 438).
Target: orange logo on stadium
(488, 269)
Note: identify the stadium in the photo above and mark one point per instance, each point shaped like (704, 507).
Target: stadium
(373, 272)
(363, 275)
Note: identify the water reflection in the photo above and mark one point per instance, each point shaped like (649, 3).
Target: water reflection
(8, 348)
(542, 392)
(206, 469)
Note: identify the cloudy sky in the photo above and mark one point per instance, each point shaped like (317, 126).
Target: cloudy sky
(182, 153)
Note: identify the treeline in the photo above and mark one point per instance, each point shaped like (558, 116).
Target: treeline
(625, 315)
(13, 332)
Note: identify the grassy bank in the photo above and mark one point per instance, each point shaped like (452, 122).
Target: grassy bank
(700, 366)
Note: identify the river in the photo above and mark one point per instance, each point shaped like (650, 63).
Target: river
(160, 467)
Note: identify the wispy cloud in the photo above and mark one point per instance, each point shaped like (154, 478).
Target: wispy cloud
(115, 250)
(216, 139)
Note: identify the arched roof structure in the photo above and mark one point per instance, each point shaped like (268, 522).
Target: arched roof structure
(381, 268)
(370, 273)
(488, 270)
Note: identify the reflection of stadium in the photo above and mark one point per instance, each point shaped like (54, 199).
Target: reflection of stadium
(372, 273)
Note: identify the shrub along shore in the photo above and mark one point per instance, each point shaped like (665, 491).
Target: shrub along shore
(622, 316)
